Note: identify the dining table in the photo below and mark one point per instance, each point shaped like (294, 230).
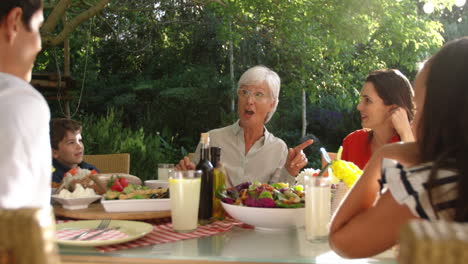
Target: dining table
(240, 244)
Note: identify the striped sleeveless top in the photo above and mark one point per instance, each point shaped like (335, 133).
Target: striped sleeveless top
(409, 186)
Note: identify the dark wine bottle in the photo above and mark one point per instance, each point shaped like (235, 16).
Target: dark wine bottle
(205, 208)
(219, 182)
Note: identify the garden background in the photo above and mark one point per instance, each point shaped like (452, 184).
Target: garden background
(152, 75)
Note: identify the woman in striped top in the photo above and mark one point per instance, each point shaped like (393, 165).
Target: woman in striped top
(426, 179)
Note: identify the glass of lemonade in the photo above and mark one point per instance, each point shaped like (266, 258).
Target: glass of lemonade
(163, 170)
(184, 187)
(317, 206)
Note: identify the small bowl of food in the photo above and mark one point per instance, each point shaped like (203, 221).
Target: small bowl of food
(80, 198)
(75, 203)
(88, 179)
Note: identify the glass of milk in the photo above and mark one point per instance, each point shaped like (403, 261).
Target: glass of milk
(163, 171)
(318, 207)
(184, 187)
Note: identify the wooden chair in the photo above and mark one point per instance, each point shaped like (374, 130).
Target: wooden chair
(434, 242)
(28, 236)
(110, 163)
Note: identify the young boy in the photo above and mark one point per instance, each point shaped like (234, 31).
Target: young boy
(24, 113)
(67, 147)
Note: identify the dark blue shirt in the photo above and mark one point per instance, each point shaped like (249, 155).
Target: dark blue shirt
(61, 169)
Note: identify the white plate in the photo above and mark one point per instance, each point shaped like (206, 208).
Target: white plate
(75, 203)
(133, 229)
(136, 205)
(268, 219)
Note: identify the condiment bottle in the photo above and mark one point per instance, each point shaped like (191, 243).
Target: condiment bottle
(219, 182)
(206, 189)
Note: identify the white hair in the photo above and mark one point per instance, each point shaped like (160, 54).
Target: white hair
(259, 74)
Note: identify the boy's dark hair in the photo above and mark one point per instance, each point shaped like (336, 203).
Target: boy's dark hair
(29, 8)
(59, 128)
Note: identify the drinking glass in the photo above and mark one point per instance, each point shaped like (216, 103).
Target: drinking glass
(163, 170)
(184, 187)
(318, 207)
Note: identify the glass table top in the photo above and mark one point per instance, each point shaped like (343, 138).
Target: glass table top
(240, 245)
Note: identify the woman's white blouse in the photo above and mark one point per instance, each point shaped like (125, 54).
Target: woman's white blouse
(264, 162)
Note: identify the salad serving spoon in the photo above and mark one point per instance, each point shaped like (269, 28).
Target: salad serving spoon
(223, 170)
(327, 159)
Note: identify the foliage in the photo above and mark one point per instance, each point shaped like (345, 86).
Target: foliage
(166, 66)
(55, 30)
(455, 21)
(107, 134)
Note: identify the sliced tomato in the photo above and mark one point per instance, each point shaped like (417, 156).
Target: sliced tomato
(116, 186)
(123, 182)
(73, 171)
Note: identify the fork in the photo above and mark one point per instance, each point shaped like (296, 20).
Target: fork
(102, 232)
(103, 225)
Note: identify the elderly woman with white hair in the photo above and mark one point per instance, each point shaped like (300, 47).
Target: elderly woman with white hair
(249, 151)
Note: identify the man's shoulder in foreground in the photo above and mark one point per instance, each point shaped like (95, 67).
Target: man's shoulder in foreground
(19, 98)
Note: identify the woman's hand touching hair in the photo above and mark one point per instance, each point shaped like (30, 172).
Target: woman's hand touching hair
(400, 121)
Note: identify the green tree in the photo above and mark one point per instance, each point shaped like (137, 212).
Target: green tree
(170, 65)
(64, 16)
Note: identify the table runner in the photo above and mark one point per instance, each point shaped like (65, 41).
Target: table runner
(163, 233)
(67, 234)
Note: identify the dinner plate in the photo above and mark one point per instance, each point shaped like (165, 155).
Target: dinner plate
(132, 229)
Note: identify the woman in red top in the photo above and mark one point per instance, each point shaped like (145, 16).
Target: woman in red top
(386, 109)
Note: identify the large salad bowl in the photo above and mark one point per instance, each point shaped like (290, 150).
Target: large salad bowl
(276, 206)
(267, 219)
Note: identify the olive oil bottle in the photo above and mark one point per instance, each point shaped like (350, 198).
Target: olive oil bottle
(219, 182)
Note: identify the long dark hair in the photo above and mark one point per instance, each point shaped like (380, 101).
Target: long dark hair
(394, 88)
(443, 128)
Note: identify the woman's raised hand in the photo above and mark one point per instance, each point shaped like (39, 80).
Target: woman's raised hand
(296, 158)
(401, 123)
(185, 164)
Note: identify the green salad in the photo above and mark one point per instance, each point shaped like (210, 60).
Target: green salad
(258, 194)
(120, 189)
